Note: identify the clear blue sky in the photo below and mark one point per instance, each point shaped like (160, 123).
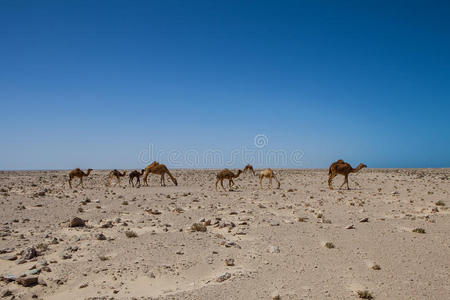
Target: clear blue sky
(94, 83)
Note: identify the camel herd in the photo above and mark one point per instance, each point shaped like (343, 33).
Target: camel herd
(337, 167)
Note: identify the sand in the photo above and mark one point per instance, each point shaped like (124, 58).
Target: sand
(258, 244)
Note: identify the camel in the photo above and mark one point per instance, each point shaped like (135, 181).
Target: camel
(249, 168)
(160, 169)
(80, 174)
(227, 174)
(343, 168)
(268, 173)
(137, 175)
(117, 175)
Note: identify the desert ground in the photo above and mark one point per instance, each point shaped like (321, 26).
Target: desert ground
(302, 241)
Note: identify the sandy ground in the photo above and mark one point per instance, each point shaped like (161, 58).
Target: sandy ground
(275, 237)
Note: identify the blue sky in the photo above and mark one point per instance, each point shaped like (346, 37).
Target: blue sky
(98, 83)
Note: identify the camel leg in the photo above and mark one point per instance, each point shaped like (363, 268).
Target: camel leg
(138, 181)
(345, 181)
(145, 179)
(231, 182)
(260, 182)
(81, 182)
(270, 182)
(118, 181)
(330, 179)
(217, 181)
(221, 183)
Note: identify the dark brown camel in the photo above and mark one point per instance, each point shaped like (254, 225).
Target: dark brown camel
(249, 168)
(227, 174)
(115, 174)
(80, 174)
(137, 175)
(343, 168)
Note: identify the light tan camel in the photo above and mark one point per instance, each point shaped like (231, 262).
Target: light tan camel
(159, 169)
(136, 174)
(115, 174)
(78, 173)
(227, 174)
(248, 168)
(343, 168)
(268, 173)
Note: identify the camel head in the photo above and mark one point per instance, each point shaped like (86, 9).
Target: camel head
(361, 166)
(238, 173)
(89, 171)
(142, 171)
(175, 181)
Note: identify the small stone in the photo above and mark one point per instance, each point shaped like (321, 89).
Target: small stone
(9, 277)
(100, 236)
(274, 249)
(328, 245)
(229, 262)
(130, 234)
(42, 281)
(27, 254)
(351, 226)
(83, 286)
(28, 281)
(5, 293)
(364, 220)
(223, 277)
(198, 227)
(9, 257)
(276, 296)
(34, 271)
(76, 222)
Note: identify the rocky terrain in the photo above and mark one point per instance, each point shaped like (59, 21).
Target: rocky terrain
(386, 238)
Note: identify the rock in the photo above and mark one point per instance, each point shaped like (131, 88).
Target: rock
(9, 277)
(54, 241)
(42, 282)
(43, 262)
(276, 296)
(83, 285)
(229, 262)
(274, 249)
(229, 244)
(364, 220)
(65, 255)
(130, 234)
(351, 226)
(328, 245)
(100, 236)
(274, 223)
(5, 293)
(27, 254)
(198, 227)
(9, 257)
(223, 277)
(34, 271)
(28, 281)
(76, 222)
(108, 224)
(241, 231)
